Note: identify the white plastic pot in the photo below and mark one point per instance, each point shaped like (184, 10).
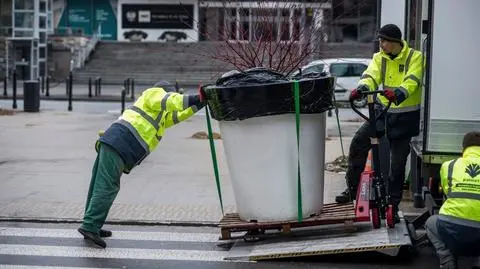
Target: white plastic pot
(261, 154)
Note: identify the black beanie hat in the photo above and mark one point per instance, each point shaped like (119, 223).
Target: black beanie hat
(390, 32)
(471, 139)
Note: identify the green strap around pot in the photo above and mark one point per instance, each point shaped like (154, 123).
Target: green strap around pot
(214, 158)
(296, 93)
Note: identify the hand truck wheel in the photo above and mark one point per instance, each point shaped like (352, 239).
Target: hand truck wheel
(375, 218)
(390, 217)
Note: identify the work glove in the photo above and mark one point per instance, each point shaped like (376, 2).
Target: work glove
(358, 93)
(201, 94)
(400, 96)
(390, 95)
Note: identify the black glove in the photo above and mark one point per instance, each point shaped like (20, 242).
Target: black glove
(400, 96)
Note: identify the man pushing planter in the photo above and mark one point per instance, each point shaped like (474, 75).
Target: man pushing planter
(125, 144)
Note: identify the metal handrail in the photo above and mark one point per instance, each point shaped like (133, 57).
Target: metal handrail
(81, 53)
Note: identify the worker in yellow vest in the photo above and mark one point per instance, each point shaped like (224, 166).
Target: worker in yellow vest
(125, 144)
(399, 70)
(456, 230)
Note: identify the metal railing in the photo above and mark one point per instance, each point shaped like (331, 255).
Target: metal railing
(81, 53)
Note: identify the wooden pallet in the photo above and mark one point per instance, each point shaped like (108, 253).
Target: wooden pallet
(331, 214)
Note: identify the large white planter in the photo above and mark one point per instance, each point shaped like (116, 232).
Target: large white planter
(261, 154)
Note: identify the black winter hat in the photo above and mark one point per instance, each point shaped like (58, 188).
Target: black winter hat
(165, 85)
(390, 32)
(471, 139)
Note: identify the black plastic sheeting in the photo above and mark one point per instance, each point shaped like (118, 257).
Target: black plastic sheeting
(260, 92)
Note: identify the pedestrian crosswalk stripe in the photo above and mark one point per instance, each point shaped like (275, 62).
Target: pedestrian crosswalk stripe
(11, 266)
(124, 235)
(113, 253)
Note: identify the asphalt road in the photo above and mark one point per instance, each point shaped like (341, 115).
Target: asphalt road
(35, 245)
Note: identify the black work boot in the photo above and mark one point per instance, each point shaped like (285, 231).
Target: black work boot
(449, 265)
(396, 217)
(95, 238)
(105, 233)
(345, 197)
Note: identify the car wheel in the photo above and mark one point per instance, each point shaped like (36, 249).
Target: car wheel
(360, 103)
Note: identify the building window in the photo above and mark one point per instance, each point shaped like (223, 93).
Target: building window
(24, 4)
(23, 19)
(266, 24)
(244, 31)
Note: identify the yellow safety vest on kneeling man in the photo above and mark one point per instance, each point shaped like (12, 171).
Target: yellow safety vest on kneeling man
(461, 184)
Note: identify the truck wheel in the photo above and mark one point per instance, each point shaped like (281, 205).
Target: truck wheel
(390, 217)
(375, 218)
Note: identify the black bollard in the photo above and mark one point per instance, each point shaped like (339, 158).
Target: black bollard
(70, 91)
(90, 87)
(99, 86)
(329, 113)
(66, 86)
(47, 93)
(96, 86)
(125, 85)
(123, 100)
(42, 81)
(14, 106)
(132, 89)
(5, 80)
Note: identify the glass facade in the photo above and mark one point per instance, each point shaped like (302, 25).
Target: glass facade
(26, 25)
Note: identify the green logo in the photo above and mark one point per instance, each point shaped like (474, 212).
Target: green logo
(473, 170)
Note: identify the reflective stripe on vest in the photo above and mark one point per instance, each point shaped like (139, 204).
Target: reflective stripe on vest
(457, 194)
(154, 122)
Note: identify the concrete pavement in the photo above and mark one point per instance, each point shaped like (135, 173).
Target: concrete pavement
(47, 157)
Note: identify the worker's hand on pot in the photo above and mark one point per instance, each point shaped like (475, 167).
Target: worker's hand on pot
(390, 95)
(201, 93)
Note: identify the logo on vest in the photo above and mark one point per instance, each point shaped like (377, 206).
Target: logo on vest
(473, 170)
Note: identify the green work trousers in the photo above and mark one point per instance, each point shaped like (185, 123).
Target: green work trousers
(104, 187)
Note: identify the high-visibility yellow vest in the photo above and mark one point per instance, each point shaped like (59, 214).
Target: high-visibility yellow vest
(404, 72)
(461, 184)
(154, 111)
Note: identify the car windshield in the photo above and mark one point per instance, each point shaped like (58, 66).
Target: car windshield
(347, 69)
(315, 68)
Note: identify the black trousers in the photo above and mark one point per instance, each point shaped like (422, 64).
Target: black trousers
(359, 147)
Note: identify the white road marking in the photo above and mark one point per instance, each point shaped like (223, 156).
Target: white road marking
(113, 253)
(124, 235)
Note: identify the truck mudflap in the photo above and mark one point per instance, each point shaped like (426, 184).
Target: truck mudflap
(328, 239)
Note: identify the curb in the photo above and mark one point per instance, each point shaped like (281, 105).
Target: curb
(115, 222)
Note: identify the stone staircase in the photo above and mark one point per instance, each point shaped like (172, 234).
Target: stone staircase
(187, 63)
(148, 63)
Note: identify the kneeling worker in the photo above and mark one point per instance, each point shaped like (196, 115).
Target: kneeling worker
(456, 230)
(125, 144)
